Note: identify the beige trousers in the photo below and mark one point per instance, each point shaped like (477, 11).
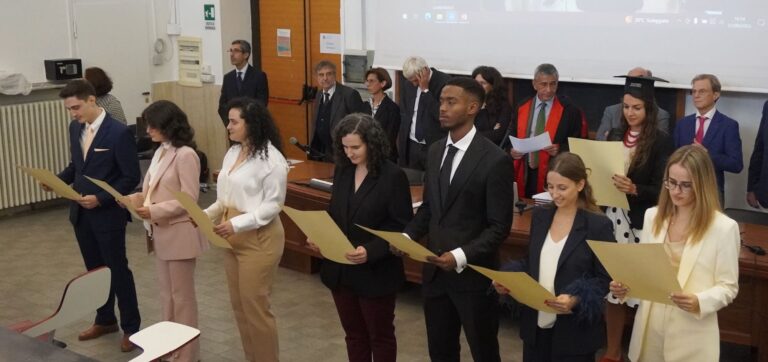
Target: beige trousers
(251, 266)
(176, 281)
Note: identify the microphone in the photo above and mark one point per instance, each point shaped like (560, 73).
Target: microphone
(304, 148)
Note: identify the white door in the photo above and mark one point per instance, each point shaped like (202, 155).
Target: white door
(114, 35)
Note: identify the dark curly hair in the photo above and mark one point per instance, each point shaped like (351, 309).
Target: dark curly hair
(497, 99)
(171, 121)
(99, 79)
(372, 135)
(260, 125)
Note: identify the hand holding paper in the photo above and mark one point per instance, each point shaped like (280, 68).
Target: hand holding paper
(119, 197)
(51, 182)
(414, 250)
(324, 233)
(521, 287)
(204, 224)
(603, 159)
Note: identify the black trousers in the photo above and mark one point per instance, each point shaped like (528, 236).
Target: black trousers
(99, 247)
(476, 312)
(417, 155)
(541, 351)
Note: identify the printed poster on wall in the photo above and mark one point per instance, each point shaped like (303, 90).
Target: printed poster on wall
(283, 42)
(330, 43)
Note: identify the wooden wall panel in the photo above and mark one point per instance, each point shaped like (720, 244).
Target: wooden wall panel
(324, 17)
(200, 105)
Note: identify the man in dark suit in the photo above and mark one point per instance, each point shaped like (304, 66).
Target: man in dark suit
(757, 184)
(103, 148)
(711, 129)
(544, 112)
(243, 81)
(419, 111)
(467, 213)
(332, 103)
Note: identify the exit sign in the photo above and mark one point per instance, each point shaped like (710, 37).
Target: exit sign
(210, 12)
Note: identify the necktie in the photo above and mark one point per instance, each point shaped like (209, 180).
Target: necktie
(326, 97)
(239, 78)
(541, 119)
(700, 132)
(419, 122)
(88, 140)
(445, 173)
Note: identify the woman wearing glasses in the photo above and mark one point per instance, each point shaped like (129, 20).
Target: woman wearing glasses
(703, 244)
(646, 150)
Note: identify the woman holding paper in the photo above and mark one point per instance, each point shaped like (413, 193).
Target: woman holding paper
(170, 233)
(646, 150)
(368, 190)
(703, 244)
(560, 259)
(493, 120)
(250, 194)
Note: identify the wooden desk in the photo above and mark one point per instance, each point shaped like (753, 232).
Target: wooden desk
(743, 322)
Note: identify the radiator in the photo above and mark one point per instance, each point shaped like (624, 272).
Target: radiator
(34, 135)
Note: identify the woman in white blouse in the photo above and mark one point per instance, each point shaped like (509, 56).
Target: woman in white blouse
(562, 262)
(703, 244)
(250, 194)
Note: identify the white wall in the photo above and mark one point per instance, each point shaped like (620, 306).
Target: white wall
(235, 24)
(31, 31)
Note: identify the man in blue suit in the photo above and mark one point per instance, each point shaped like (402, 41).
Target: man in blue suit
(102, 148)
(711, 129)
(757, 184)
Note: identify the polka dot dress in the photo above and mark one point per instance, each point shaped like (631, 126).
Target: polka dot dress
(624, 234)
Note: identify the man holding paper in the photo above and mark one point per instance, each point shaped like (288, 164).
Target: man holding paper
(467, 213)
(545, 112)
(103, 148)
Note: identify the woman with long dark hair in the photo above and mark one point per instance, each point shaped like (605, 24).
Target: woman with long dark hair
(560, 259)
(646, 150)
(368, 190)
(250, 194)
(493, 119)
(170, 233)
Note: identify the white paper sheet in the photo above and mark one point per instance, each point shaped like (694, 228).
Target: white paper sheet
(531, 144)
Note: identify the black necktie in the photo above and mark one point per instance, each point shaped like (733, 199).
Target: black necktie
(326, 97)
(445, 173)
(239, 78)
(420, 131)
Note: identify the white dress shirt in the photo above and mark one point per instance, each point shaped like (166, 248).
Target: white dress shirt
(256, 188)
(412, 135)
(94, 125)
(462, 145)
(242, 71)
(550, 254)
(709, 116)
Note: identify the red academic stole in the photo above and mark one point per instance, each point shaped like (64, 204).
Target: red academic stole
(553, 122)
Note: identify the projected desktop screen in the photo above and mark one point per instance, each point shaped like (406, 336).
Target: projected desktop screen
(588, 40)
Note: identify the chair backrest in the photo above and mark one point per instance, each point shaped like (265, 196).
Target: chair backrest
(82, 296)
(162, 338)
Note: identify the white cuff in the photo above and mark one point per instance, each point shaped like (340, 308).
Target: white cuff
(461, 259)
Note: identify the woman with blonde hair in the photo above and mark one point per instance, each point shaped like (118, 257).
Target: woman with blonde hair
(703, 244)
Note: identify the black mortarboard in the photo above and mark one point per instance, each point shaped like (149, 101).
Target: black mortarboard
(640, 87)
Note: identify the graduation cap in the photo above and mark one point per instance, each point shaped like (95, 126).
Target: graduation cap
(640, 87)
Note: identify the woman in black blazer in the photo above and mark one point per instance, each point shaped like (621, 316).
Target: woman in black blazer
(646, 150)
(562, 262)
(372, 191)
(493, 119)
(382, 108)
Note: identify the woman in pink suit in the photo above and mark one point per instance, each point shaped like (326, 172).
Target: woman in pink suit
(170, 233)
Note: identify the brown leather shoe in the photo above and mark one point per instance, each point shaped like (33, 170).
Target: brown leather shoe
(97, 331)
(126, 345)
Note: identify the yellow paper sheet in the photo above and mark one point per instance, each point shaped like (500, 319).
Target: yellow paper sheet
(118, 196)
(643, 268)
(604, 159)
(323, 231)
(521, 287)
(201, 219)
(414, 250)
(47, 178)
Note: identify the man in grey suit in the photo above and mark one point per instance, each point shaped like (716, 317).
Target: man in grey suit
(332, 103)
(612, 114)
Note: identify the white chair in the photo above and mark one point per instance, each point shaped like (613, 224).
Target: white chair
(82, 296)
(161, 339)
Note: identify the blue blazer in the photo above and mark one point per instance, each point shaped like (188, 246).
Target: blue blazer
(758, 163)
(722, 141)
(112, 158)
